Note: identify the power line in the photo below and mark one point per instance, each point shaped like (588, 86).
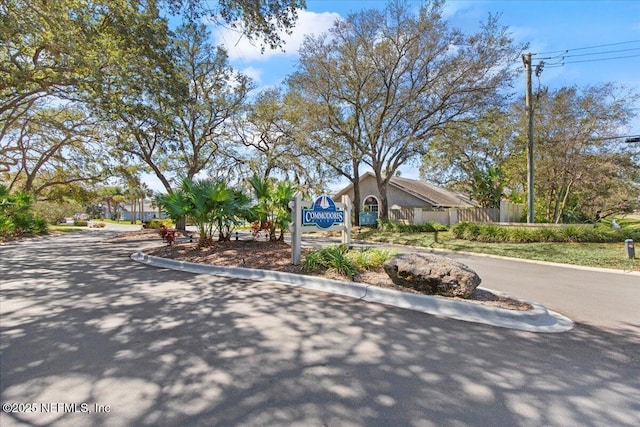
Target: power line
(587, 47)
(563, 55)
(602, 53)
(592, 60)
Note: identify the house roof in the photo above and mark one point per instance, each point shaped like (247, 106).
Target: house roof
(430, 193)
(436, 196)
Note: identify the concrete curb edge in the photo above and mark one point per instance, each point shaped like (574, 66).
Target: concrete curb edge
(539, 319)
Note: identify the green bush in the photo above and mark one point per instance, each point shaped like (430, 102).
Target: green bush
(491, 233)
(16, 216)
(157, 223)
(344, 262)
(520, 235)
(571, 234)
(546, 234)
(7, 228)
(466, 230)
(39, 226)
(369, 259)
(330, 258)
(399, 227)
(80, 223)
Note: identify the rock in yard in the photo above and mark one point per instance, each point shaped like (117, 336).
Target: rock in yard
(432, 274)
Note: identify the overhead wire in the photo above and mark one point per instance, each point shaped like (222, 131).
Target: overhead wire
(562, 55)
(602, 53)
(558, 60)
(587, 47)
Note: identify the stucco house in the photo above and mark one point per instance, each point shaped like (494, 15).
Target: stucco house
(125, 212)
(409, 200)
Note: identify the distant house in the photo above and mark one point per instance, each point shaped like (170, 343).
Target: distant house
(149, 213)
(125, 212)
(409, 200)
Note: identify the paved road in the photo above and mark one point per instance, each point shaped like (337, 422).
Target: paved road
(81, 323)
(598, 298)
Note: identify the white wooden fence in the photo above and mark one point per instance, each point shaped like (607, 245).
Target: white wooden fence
(508, 212)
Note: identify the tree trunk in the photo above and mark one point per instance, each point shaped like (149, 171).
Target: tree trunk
(383, 208)
(133, 210)
(563, 204)
(181, 224)
(356, 193)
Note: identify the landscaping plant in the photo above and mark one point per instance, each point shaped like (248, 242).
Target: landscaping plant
(16, 216)
(482, 232)
(272, 208)
(210, 205)
(344, 261)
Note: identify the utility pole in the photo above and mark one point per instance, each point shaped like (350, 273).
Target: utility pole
(526, 58)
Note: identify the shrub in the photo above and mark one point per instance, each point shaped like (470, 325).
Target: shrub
(7, 228)
(342, 261)
(520, 235)
(466, 230)
(491, 233)
(369, 258)
(80, 223)
(494, 233)
(338, 261)
(39, 226)
(399, 227)
(458, 229)
(157, 223)
(314, 261)
(17, 217)
(546, 234)
(330, 258)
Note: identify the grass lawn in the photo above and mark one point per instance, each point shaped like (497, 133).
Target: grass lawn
(63, 228)
(605, 255)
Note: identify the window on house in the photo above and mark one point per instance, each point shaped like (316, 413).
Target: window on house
(371, 204)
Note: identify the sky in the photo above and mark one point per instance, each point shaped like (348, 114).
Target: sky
(591, 31)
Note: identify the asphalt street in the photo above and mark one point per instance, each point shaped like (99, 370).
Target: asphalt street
(598, 297)
(88, 337)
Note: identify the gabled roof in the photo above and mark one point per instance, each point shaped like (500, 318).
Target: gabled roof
(429, 193)
(436, 196)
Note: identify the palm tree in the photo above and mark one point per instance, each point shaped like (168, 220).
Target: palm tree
(210, 205)
(282, 195)
(273, 205)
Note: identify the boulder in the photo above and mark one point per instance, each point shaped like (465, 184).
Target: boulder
(432, 274)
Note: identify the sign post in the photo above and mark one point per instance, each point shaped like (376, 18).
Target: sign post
(321, 215)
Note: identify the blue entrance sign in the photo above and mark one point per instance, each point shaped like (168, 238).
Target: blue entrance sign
(323, 214)
(368, 218)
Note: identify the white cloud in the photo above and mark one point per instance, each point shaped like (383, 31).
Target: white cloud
(253, 73)
(451, 8)
(240, 48)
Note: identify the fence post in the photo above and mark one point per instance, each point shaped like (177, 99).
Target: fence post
(453, 217)
(296, 228)
(417, 215)
(346, 230)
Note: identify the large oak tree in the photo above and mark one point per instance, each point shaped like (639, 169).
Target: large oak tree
(103, 53)
(387, 81)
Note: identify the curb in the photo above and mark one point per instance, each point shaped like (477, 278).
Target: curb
(539, 319)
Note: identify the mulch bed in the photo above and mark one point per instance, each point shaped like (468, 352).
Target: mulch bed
(265, 255)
